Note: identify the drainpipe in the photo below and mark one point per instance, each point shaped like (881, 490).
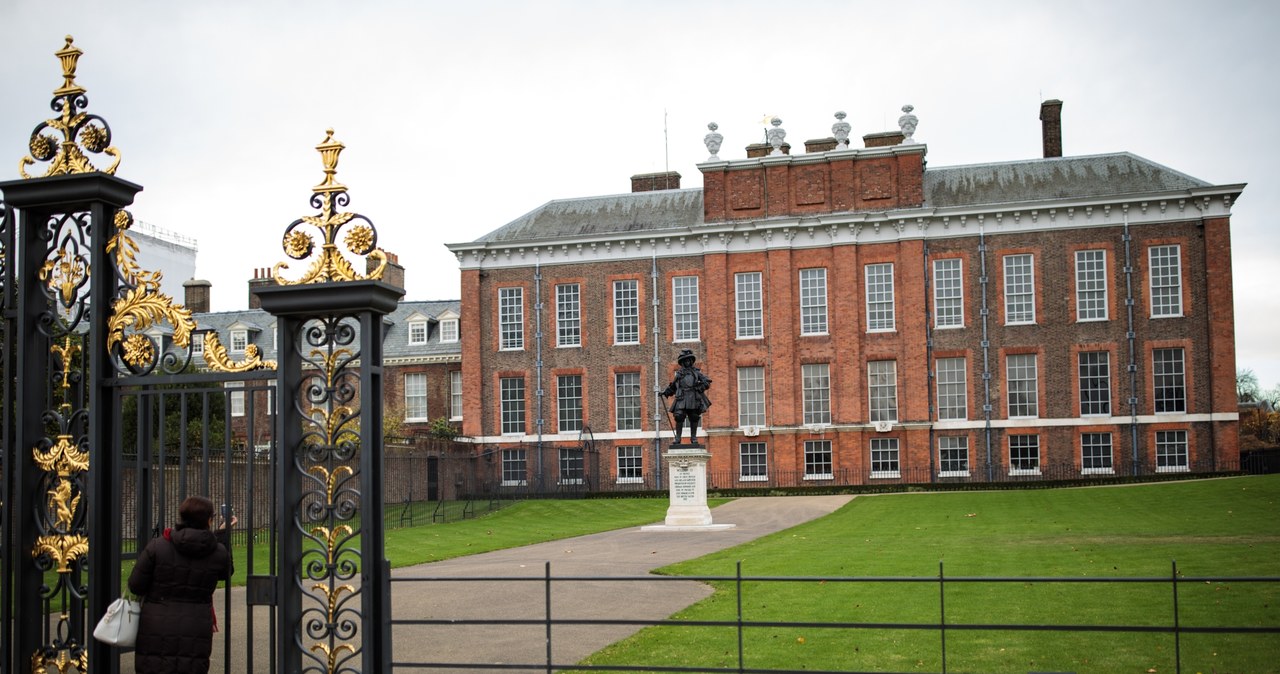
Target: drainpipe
(930, 374)
(537, 340)
(1133, 345)
(658, 405)
(1209, 355)
(986, 350)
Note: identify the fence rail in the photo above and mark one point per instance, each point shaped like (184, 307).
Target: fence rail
(1173, 625)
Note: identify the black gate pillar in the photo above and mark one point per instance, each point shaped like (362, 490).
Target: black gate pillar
(333, 600)
(61, 465)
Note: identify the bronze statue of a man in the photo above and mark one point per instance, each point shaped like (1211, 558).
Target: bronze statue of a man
(689, 398)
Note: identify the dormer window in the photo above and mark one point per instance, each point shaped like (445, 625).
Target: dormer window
(239, 340)
(417, 332)
(449, 330)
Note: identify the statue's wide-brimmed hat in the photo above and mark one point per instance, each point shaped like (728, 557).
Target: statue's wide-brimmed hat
(686, 355)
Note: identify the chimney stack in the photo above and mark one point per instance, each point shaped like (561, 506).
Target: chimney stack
(1051, 127)
(196, 295)
(652, 182)
(393, 274)
(261, 277)
(883, 139)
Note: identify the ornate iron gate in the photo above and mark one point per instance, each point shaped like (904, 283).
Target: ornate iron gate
(112, 415)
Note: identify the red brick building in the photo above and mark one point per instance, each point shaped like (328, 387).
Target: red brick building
(864, 318)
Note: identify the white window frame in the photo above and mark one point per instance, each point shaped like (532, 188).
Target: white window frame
(630, 463)
(882, 390)
(568, 315)
(511, 407)
(1029, 465)
(1022, 383)
(417, 332)
(1169, 380)
(881, 311)
(1093, 370)
(572, 466)
(951, 379)
(1105, 463)
(753, 462)
(415, 399)
(515, 462)
(815, 379)
(748, 293)
(1092, 301)
(236, 400)
(449, 331)
(1173, 451)
(1020, 289)
(948, 293)
(686, 322)
(951, 444)
(570, 415)
(813, 301)
(1164, 278)
(886, 460)
(455, 395)
(627, 401)
(239, 341)
(813, 450)
(751, 407)
(511, 319)
(626, 311)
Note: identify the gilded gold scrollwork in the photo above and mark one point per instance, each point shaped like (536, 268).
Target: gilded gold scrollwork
(143, 305)
(215, 356)
(360, 240)
(331, 480)
(66, 352)
(332, 655)
(61, 663)
(64, 457)
(79, 131)
(65, 273)
(332, 538)
(61, 549)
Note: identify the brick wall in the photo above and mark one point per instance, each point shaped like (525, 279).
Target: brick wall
(1056, 339)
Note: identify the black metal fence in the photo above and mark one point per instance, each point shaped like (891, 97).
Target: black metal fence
(1044, 475)
(1175, 624)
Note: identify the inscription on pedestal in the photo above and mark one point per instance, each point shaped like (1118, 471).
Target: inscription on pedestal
(684, 485)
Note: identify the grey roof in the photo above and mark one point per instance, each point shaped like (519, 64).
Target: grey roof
(613, 214)
(1105, 175)
(395, 341)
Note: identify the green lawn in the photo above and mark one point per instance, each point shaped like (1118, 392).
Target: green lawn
(1225, 527)
(522, 523)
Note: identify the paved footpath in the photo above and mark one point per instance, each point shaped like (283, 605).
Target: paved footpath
(625, 552)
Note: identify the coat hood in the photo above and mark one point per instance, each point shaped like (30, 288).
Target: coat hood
(192, 542)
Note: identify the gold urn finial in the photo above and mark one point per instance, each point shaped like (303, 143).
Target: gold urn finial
(80, 131)
(329, 150)
(361, 238)
(69, 55)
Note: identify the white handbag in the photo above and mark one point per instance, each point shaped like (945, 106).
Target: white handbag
(119, 626)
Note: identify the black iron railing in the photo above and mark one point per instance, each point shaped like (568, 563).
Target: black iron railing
(1173, 624)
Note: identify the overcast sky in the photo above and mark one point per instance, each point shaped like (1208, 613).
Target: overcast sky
(459, 117)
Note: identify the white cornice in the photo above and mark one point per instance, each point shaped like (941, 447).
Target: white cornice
(861, 227)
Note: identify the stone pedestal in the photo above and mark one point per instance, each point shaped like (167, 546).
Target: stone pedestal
(687, 481)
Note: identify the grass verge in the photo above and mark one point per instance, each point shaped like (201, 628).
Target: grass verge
(1223, 527)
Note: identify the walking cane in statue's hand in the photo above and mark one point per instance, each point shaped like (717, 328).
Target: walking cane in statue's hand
(667, 415)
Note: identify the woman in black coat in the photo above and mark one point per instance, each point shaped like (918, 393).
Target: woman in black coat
(175, 576)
